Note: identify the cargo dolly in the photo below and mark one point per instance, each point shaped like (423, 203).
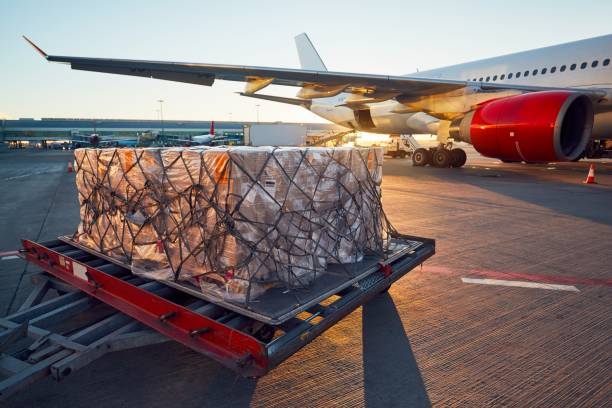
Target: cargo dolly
(85, 305)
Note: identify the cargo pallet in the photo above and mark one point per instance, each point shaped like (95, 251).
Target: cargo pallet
(100, 306)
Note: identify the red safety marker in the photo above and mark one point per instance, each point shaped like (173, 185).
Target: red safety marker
(70, 168)
(591, 176)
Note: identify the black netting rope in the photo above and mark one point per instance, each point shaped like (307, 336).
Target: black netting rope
(135, 199)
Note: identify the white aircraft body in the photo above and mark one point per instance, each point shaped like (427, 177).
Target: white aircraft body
(543, 105)
(205, 139)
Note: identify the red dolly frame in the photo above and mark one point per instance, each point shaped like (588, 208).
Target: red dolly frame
(229, 346)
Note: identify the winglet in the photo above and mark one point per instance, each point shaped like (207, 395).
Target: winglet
(41, 52)
(309, 57)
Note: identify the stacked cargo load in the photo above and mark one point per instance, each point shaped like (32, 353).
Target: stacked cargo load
(233, 221)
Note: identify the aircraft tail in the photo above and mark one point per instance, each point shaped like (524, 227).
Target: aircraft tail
(309, 57)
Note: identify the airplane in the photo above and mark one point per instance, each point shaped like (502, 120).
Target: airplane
(205, 139)
(544, 105)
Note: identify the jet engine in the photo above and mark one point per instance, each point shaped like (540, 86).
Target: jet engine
(533, 127)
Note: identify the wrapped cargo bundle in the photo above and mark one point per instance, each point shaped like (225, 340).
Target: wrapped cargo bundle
(234, 221)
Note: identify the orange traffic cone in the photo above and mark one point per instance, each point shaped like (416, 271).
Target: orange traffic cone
(591, 177)
(70, 169)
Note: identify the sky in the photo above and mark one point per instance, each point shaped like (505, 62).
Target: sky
(382, 37)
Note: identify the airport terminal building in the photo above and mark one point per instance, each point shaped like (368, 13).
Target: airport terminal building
(38, 132)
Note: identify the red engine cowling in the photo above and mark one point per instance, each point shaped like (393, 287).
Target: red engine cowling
(533, 127)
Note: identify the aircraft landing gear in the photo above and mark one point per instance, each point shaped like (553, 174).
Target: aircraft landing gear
(441, 156)
(421, 157)
(459, 157)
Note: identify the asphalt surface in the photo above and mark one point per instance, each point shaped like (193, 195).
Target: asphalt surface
(439, 338)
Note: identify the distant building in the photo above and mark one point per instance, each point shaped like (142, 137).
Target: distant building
(56, 129)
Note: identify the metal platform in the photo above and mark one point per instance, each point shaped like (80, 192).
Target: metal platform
(277, 305)
(84, 306)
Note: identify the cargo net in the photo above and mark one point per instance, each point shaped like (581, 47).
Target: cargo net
(233, 221)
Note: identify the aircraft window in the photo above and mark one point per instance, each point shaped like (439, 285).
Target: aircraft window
(474, 79)
(480, 79)
(553, 70)
(526, 73)
(606, 62)
(562, 68)
(518, 74)
(495, 78)
(594, 63)
(583, 65)
(543, 71)
(501, 78)
(572, 67)
(488, 78)
(535, 72)
(510, 75)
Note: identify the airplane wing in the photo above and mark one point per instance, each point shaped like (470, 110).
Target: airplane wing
(315, 84)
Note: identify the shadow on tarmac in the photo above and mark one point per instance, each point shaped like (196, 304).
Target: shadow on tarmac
(555, 189)
(531, 183)
(391, 374)
(163, 375)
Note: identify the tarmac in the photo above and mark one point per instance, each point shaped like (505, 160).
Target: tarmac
(513, 310)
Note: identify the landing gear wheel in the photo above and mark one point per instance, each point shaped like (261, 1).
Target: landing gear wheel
(442, 158)
(420, 157)
(459, 157)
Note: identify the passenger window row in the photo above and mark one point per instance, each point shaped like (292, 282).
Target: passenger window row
(535, 72)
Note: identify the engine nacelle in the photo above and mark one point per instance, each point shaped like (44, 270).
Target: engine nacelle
(533, 127)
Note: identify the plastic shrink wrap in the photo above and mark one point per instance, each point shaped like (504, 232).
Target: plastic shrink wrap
(234, 221)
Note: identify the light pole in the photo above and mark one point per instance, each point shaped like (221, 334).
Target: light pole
(257, 108)
(161, 114)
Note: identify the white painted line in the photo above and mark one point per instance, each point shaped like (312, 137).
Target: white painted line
(6, 258)
(521, 284)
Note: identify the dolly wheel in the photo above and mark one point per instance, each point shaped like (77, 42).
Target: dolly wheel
(266, 333)
(420, 157)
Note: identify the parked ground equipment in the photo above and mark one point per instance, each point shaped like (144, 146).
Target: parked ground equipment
(85, 305)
